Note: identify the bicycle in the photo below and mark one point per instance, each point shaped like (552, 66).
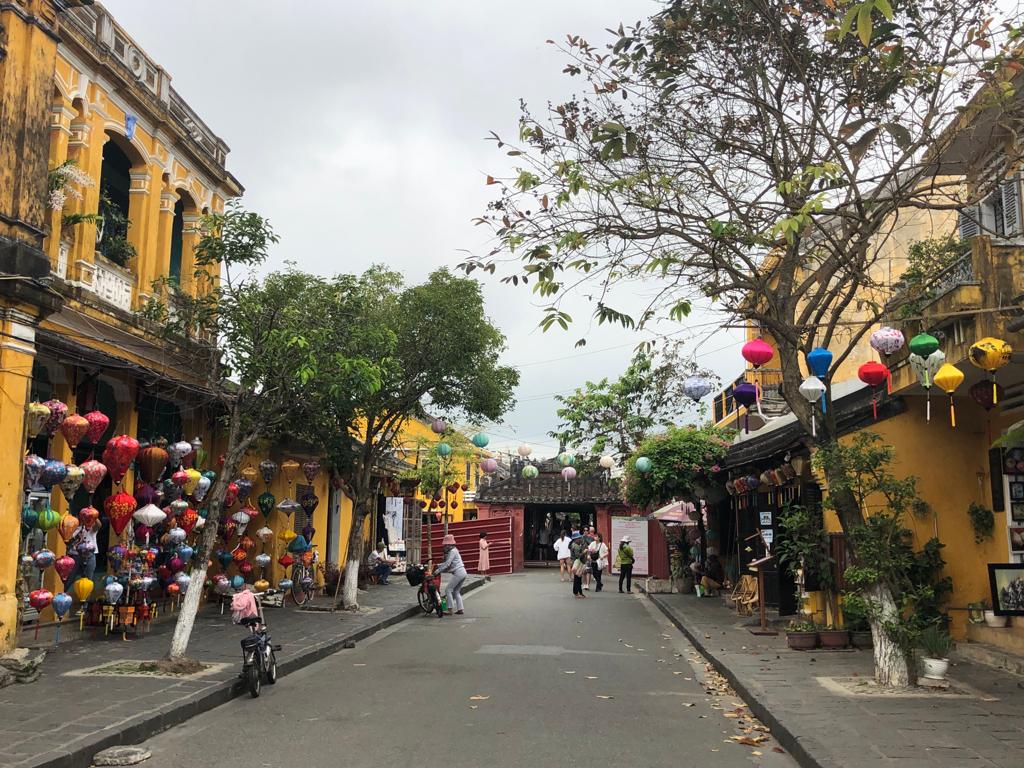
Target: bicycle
(303, 581)
(429, 593)
(259, 655)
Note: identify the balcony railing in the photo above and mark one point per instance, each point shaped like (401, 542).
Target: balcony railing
(113, 284)
(960, 272)
(769, 379)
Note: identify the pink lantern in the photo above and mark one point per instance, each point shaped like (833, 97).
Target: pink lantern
(487, 466)
(569, 474)
(757, 352)
(438, 426)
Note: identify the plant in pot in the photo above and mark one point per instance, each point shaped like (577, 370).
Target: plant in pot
(935, 644)
(802, 636)
(991, 619)
(855, 619)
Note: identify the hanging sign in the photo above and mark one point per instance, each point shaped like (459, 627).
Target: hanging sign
(766, 518)
(394, 509)
(636, 529)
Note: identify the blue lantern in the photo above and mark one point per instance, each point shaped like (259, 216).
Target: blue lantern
(819, 360)
(237, 582)
(480, 440)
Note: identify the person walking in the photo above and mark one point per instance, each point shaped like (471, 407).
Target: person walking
(563, 553)
(485, 556)
(578, 569)
(452, 564)
(624, 560)
(598, 552)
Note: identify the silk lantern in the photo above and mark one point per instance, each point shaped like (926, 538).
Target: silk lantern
(53, 473)
(112, 592)
(265, 534)
(926, 368)
(289, 468)
(194, 477)
(480, 440)
(74, 428)
(40, 598)
(524, 450)
(643, 465)
(33, 468)
(67, 527)
(178, 451)
(438, 427)
(262, 559)
(298, 545)
(819, 362)
(49, 518)
(268, 469)
(244, 489)
(230, 495)
(489, 466)
(149, 515)
(310, 470)
(874, 375)
(568, 474)
(58, 412)
(287, 535)
(202, 488)
(35, 418)
(990, 355)
(198, 451)
(606, 462)
(530, 472)
(696, 387)
(265, 501)
(887, 341)
(288, 506)
(87, 517)
(566, 459)
(923, 345)
(812, 389)
(249, 473)
(443, 450)
(99, 422)
(261, 585)
(72, 481)
(151, 462)
(118, 455)
(187, 520)
(757, 352)
(745, 394)
(83, 588)
(43, 559)
(284, 585)
(948, 378)
(61, 604)
(94, 474)
(982, 393)
(309, 503)
(179, 478)
(286, 560)
(119, 508)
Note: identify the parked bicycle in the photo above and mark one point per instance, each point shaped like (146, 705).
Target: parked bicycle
(259, 655)
(429, 593)
(303, 576)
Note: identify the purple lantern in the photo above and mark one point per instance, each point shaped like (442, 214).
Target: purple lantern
(745, 394)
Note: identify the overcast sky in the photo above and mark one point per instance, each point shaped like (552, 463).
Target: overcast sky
(358, 129)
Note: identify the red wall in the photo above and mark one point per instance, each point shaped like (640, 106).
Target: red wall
(517, 514)
(467, 539)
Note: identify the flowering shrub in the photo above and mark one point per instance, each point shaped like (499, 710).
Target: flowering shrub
(64, 182)
(682, 459)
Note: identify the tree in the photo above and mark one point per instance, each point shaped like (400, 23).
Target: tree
(258, 344)
(758, 154)
(615, 416)
(436, 349)
(432, 472)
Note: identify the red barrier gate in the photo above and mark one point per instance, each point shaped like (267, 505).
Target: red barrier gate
(467, 539)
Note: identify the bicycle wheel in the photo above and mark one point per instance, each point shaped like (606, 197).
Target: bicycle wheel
(426, 601)
(271, 670)
(299, 594)
(255, 675)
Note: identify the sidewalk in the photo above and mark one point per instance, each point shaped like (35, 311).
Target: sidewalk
(824, 725)
(66, 717)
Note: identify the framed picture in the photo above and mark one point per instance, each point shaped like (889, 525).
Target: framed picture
(1006, 581)
(1016, 491)
(1017, 512)
(1016, 539)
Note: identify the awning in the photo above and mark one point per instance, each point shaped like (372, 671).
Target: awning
(676, 513)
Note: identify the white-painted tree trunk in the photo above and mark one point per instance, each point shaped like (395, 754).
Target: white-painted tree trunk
(892, 665)
(354, 556)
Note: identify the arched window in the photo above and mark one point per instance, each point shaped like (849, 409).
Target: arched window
(177, 241)
(115, 184)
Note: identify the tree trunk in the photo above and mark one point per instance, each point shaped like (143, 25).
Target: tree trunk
(215, 501)
(892, 664)
(354, 556)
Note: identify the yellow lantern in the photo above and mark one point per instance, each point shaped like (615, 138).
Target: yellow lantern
(261, 585)
(289, 468)
(249, 473)
(194, 476)
(83, 589)
(286, 535)
(990, 355)
(948, 378)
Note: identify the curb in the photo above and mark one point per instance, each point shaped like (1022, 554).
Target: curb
(177, 713)
(786, 738)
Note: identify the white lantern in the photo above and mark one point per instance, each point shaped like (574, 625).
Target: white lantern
(812, 388)
(524, 450)
(149, 515)
(607, 462)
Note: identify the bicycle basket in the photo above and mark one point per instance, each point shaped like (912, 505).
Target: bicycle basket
(414, 574)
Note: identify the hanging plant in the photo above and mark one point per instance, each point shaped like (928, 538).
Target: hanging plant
(64, 182)
(982, 521)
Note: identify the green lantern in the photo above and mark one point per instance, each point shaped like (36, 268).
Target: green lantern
(643, 464)
(480, 440)
(443, 450)
(923, 345)
(566, 459)
(530, 472)
(49, 519)
(266, 501)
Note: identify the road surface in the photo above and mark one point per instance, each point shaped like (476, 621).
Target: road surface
(529, 677)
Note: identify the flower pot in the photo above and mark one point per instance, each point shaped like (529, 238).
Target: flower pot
(934, 669)
(862, 639)
(802, 641)
(834, 638)
(994, 621)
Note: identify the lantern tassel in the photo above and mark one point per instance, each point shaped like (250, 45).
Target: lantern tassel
(888, 382)
(952, 413)
(928, 405)
(746, 421)
(824, 405)
(814, 426)
(995, 395)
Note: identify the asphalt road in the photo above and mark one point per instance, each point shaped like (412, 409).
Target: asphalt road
(530, 676)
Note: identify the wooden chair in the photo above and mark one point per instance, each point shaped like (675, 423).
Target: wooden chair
(745, 595)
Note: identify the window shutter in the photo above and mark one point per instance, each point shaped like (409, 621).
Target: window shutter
(968, 222)
(1011, 206)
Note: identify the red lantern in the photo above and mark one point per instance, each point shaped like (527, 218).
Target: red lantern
(423, 504)
(88, 516)
(757, 352)
(98, 423)
(163, 572)
(286, 560)
(454, 504)
(173, 589)
(231, 495)
(93, 474)
(118, 456)
(245, 568)
(188, 519)
(74, 428)
(238, 555)
(64, 566)
(40, 598)
(874, 375)
(119, 508)
(180, 478)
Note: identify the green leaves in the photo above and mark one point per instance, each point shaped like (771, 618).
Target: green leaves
(616, 141)
(553, 315)
(861, 15)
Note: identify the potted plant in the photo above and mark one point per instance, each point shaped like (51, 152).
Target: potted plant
(802, 636)
(855, 619)
(936, 644)
(833, 639)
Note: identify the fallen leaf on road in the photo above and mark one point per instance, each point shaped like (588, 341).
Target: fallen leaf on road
(473, 706)
(639, 650)
(661, 661)
(591, 677)
(714, 750)
(689, 704)
(605, 697)
(626, 644)
(358, 665)
(756, 752)
(569, 671)
(479, 698)
(779, 750)
(677, 673)
(731, 714)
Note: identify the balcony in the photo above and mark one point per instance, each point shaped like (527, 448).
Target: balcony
(113, 284)
(770, 381)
